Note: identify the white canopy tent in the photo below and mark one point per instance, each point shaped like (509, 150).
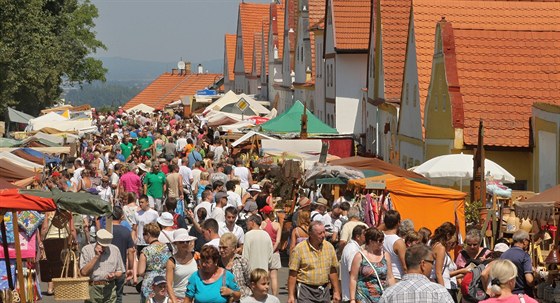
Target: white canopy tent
(141, 108)
(25, 164)
(226, 102)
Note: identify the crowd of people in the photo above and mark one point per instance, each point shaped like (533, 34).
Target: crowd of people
(190, 223)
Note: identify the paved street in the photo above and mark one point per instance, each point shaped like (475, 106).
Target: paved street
(131, 296)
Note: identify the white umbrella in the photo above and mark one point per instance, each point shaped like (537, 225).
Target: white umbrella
(458, 167)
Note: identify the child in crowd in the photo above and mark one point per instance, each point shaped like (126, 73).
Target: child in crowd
(159, 286)
(259, 285)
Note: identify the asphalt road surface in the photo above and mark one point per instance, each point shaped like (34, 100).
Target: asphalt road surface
(132, 296)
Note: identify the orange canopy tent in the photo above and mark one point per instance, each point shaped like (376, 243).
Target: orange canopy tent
(426, 205)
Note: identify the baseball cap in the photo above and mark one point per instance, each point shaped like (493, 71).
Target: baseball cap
(55, 174)
(267, 209)
(501, 247)
(159, 280)
(221, 195)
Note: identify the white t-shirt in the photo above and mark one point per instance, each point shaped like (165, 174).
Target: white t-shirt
(257, 249)
(142, 218)
(214, 242)
(78, 174)
(219, 215)
(207, 205)
(163, 239)
(268, 299)
(348, 254)
(105, 193)
(316, 216)
(237, 231)
(186, 174)
(233, 199)
(243, 174)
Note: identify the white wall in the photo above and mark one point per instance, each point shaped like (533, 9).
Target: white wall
(350, 78)
(548, 164)
(407, 152)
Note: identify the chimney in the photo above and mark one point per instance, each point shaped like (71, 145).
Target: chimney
(173, 71)
(200, 69)
(187, 68)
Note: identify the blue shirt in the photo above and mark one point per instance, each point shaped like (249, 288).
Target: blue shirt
(193, 157)
(209, 293)
(522, 261)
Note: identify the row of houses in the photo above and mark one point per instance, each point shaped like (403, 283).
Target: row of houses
(411, 79)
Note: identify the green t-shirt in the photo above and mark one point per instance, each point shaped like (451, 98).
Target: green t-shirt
(126, 149)
(155, 184)
(145, 143)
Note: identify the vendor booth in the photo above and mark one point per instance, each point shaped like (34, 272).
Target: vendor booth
(426, 205)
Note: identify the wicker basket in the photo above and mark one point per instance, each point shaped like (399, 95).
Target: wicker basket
(71, 288)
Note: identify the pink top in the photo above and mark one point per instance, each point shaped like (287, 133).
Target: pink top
(510, 299)
(270, 231)
(131, 183)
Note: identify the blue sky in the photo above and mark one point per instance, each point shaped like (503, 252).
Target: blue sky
(165, 30)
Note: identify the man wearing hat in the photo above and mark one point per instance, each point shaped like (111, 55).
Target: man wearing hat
(102, 263)
(319, 208)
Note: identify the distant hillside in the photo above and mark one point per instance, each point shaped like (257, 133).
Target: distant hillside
(125, 79)
(122, 69)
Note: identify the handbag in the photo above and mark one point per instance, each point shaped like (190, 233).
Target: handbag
(230, 298)
(374, 270)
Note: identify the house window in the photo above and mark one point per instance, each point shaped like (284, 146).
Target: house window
(436, 103)
(444, 102)
(371, 64)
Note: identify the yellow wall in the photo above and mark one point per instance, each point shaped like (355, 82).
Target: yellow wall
(517, 163)
(434, 150)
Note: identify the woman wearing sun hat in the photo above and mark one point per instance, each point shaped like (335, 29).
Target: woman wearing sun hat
(180, 266)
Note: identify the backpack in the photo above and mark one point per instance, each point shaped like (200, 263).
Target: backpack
(471, 285)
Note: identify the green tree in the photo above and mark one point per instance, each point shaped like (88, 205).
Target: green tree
(42, 44)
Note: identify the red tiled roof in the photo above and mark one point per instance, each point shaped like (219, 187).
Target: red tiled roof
(168, 88)
(280, 24)
(230, 45)
(351, 24)
(481, 15)
(316, 14)
(394, 16)
(257, 49)
(251, 15)
(501, 74)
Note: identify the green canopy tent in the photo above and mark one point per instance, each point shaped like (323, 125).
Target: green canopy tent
(290, 122)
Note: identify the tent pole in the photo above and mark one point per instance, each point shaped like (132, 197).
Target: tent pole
(19, 265)
(6, 252)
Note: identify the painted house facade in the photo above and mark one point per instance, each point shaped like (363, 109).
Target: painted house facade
(346, 42)
(496, 67)
(387, 52)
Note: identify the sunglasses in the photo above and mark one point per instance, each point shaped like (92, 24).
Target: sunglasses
(429, 261)
(181, 242)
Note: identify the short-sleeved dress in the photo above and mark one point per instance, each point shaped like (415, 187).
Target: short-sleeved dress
(368, 288)
(156, 259)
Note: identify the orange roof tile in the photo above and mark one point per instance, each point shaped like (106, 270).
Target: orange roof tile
(485, 15)
(280, 29)
(251, 15)
(264, 52)
(316, 14)
(502, 73)
(168, 88)
(257, 49)
(230, 45)
(351, 24)
(394, 16)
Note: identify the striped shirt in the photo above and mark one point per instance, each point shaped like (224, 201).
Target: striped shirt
(416, 288)
(313, 266)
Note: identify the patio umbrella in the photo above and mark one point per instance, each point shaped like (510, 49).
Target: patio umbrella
(449, 169)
